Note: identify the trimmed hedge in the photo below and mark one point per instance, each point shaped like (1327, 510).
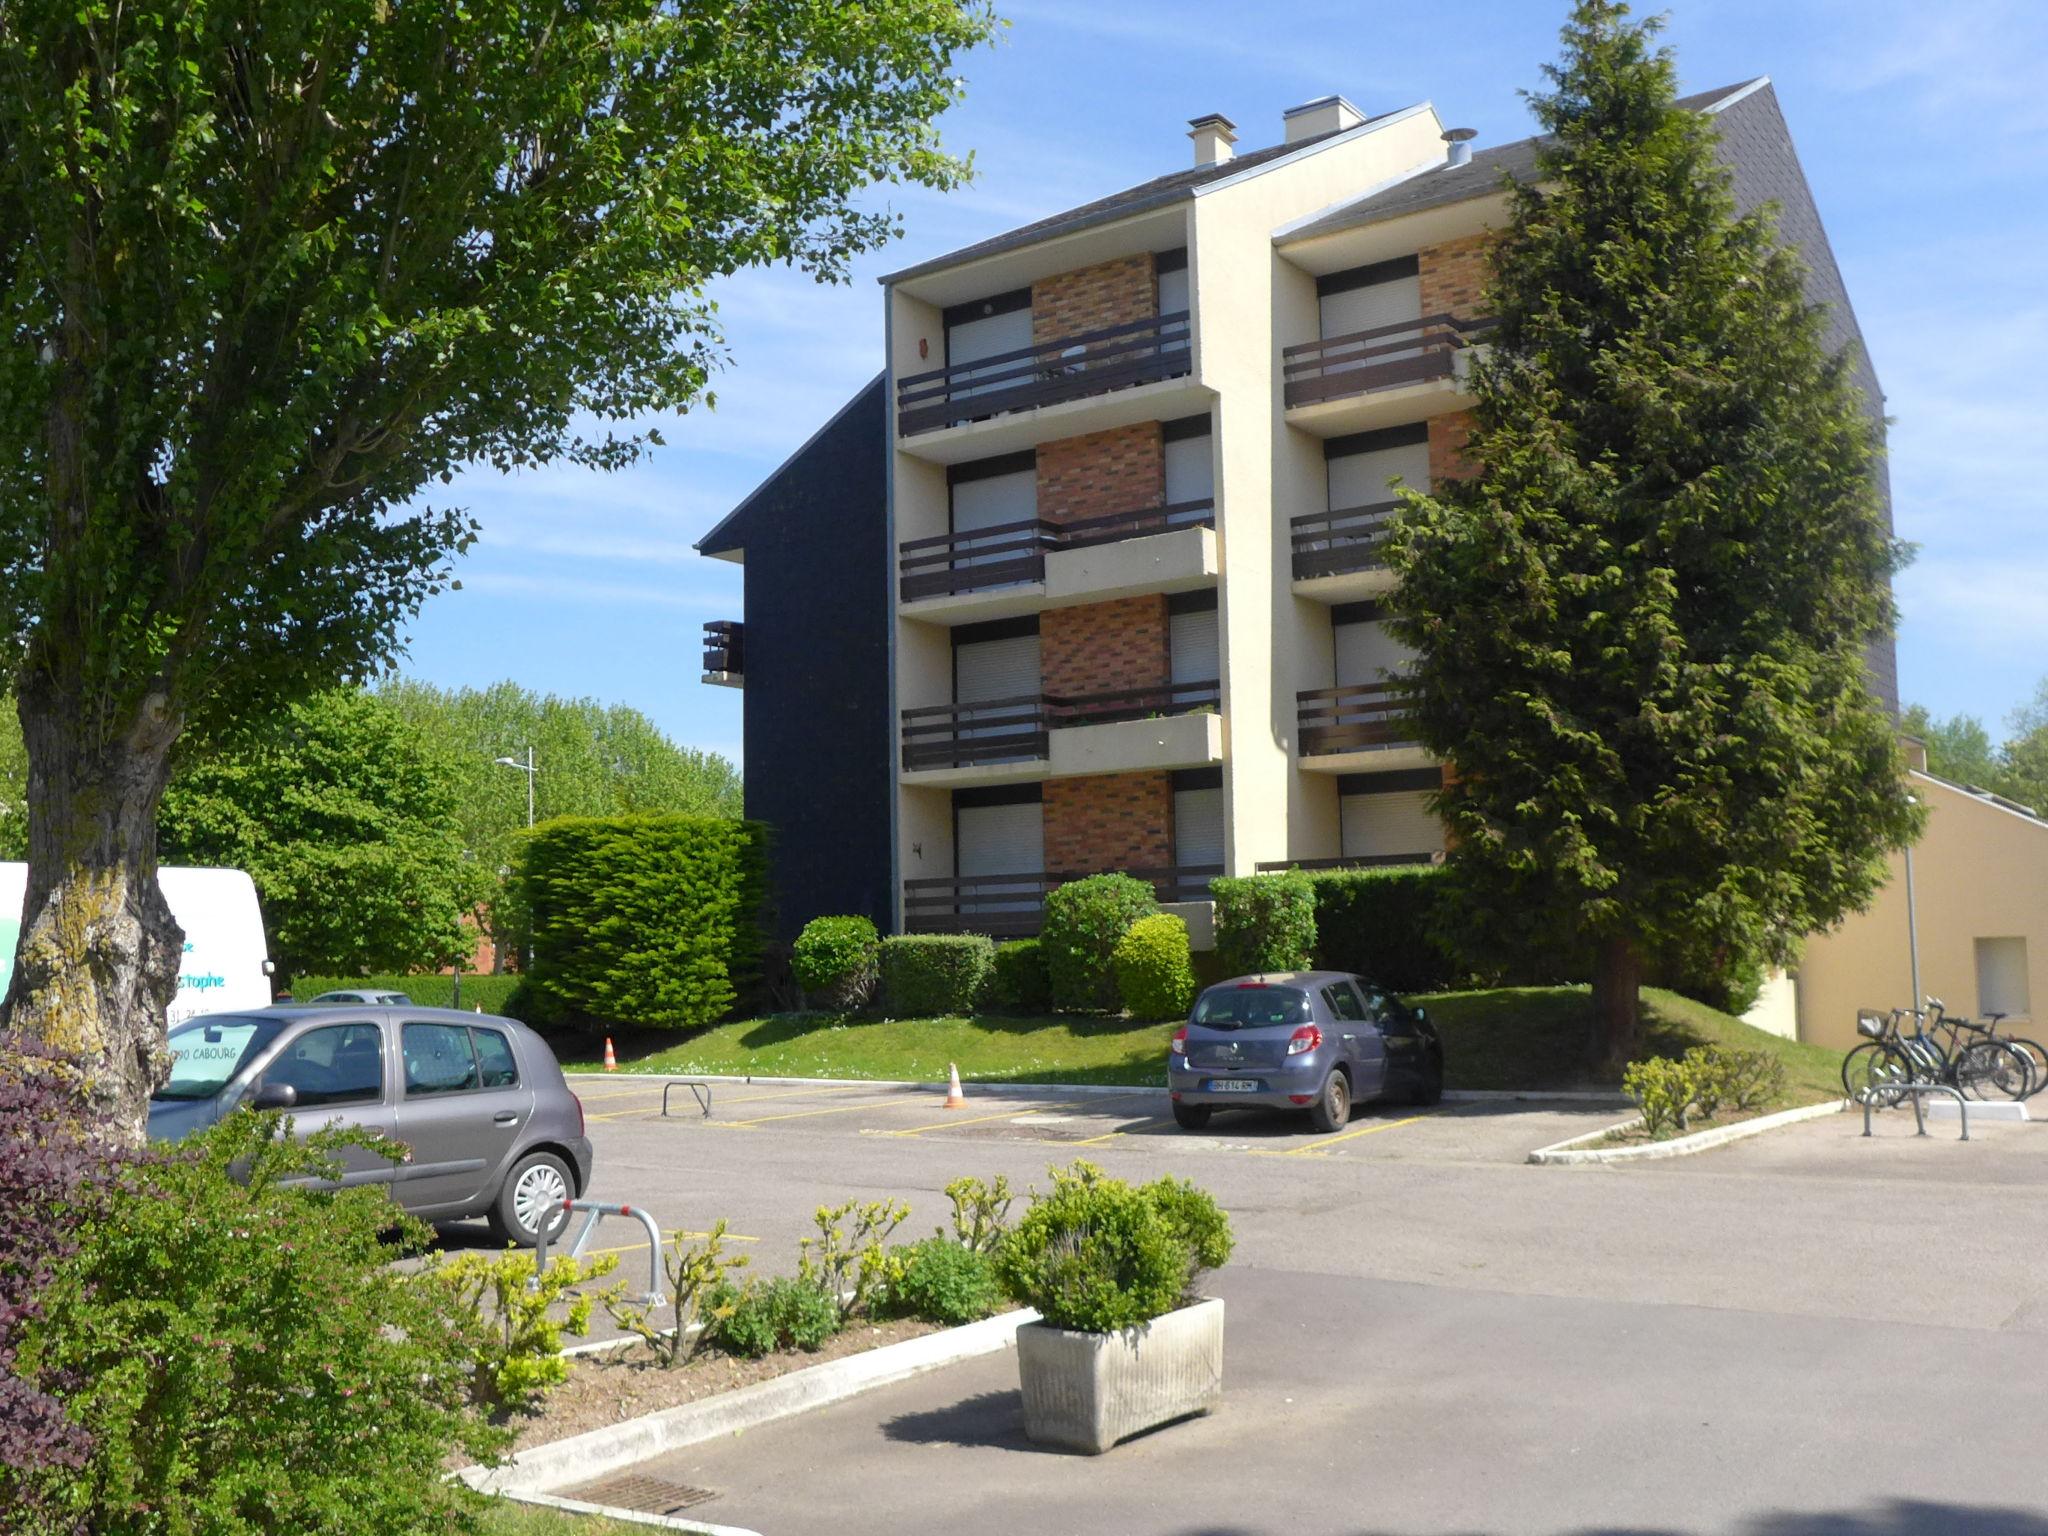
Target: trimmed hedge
(1153, 969)
(1021, 984)
(1387, 924)
(1084, 919)
(928, 974)
(653, 921)
(835, 961)
(1265, 922)
(495, 994)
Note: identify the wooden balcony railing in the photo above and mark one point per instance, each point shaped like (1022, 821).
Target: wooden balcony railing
(1068, 368)
(1406, 352)
(1018, 730)
(1356, 718)
(1009, 553)
(1355, 861)
(1339, 543)
(1010, 906)
(725, 647)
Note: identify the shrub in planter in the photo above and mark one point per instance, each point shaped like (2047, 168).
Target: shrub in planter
(1084, 919)
(1021, 984)
(1265, 922)
(935, 973)
(835, 962)
(1154, 971)
(943, 1281)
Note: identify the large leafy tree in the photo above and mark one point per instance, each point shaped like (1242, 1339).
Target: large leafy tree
(270, 267)
(1642, 622)
(1960, 748)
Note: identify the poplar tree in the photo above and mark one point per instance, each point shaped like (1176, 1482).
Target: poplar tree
(1642, 621)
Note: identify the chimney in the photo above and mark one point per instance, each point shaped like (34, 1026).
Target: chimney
(1326, 114)
(1213, 136)
(1459, 142)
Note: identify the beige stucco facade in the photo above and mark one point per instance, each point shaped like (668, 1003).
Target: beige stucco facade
(1980, 906)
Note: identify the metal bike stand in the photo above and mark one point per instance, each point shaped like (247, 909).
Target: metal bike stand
(594, 1211)
(1869, 1096)
(699, 1090)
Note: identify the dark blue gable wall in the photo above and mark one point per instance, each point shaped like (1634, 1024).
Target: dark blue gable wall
(817, 704)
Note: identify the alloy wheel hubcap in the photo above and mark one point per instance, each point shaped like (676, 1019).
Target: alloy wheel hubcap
(539, 1191)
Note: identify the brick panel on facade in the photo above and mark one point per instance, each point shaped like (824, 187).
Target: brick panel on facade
(1447, 438)
(1104, 647)
(1453, 276)
(1093, 298)
(1120, 470)
(1109, 822)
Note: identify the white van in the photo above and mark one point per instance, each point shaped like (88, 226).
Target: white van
(227, 962)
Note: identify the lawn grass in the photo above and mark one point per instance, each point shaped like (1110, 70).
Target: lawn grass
(502, 1517)
(1508, 1038)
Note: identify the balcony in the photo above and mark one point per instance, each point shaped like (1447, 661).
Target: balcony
(1356, 728)
(725, 653)
(1023, 567)
(1357, 861)
(1337, 555)
(1014, 741)
(1407, 371)
(994, 404)
(1013, 906)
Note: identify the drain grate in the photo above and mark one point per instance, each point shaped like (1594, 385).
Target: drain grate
(641, 1493)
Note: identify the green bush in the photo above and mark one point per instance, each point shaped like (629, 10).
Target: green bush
(942, 1281)
(783, 1314)
(1265, 922)
(1096, 1254)
(1154, 973)
(1021, 984)
(494, 994)
(1663, 1091)
(835, 962)
(246, 1356)
(645, 920)
(1386, 924)
(1084, 919)
(1702, 1082)
(929, 974)
(519, 1360)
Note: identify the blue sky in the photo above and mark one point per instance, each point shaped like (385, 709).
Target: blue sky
(1920, 127)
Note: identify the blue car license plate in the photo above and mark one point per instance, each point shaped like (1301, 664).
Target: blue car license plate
(1231, 1085)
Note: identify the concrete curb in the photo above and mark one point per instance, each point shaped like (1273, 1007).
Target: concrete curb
(1090, 1090)
(1575, 1151)
(627, 1516)
(578, 1459)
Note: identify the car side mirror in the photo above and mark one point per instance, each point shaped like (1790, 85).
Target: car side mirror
(274, 1096)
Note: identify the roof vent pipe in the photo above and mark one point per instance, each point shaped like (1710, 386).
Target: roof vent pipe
(1213, 135)
(1460, 142)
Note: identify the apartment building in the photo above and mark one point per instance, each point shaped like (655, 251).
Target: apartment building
(1088, 578)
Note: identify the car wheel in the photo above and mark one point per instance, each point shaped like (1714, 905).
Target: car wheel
(1332, 1108)
(1191, 1117)
(1431, 1089)
(533, 1191)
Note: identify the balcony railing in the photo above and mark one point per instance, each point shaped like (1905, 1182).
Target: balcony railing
(1406, 352)
(1355, 718)
(1339, 543)
(1008, 906)
(1018, 730)
(1355, 861)
(1009, 553)
(725, 648)
(1069, 368)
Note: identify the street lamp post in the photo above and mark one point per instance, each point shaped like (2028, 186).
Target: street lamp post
(1912, 920)
(527, 769)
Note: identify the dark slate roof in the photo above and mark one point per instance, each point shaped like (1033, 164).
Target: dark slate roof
(1478, 177)
(1147, 195)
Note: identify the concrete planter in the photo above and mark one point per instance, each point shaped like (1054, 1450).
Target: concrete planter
(1087, 1391)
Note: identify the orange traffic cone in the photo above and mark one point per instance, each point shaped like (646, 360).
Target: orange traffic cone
(955, 1099)
(611, 1062)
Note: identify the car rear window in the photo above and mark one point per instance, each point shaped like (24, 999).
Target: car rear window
(494, 1052)
(1241, 1007)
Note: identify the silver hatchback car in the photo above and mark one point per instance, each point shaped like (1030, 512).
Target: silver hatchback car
(490, 1126)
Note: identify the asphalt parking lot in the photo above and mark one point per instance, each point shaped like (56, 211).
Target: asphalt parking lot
(1803, 1333)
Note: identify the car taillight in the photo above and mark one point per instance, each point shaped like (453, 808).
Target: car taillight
(579, 1113)
(1180, 1041)
(1306, 1038)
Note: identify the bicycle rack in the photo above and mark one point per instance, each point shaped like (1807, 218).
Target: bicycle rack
(594, 1211)
(699, 1090)
(1870, 1096)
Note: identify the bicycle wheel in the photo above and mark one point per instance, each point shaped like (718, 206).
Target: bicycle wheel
(2039, 1058)
(1994, 1069)
(1876, 1068)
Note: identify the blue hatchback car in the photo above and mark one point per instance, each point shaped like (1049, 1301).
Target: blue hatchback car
(1315, 1041)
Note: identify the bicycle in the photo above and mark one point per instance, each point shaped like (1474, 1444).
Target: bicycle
(2037, 1057)
(1983, 1067)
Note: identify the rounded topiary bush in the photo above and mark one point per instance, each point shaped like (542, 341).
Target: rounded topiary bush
(1084, 919)
(1265, 923)
(928, 974)
(835, 961)
(1155, 972)
(1021, 984)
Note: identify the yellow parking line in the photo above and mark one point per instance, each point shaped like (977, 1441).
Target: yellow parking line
(730, 1237)
(799, 1114)
(1122, 1131)
(941, 1125)
(1322, 1143)
(749, 1098)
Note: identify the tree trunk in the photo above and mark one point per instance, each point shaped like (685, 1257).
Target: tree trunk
(99, 958)
(1617, 1005)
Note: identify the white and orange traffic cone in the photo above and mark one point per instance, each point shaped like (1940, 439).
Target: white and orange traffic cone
(955, 1099)
(611, 1061)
